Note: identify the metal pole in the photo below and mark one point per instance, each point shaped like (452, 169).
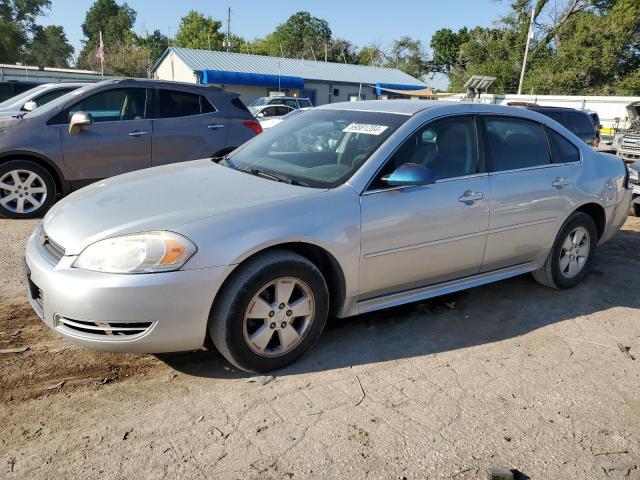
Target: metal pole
(526, 50)
(228, 28)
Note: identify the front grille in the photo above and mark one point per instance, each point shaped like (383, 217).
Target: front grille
(103, 329)
(53, 249)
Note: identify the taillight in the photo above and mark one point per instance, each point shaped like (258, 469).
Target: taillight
(253, 125)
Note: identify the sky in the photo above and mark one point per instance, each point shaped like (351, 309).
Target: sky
(358, 21)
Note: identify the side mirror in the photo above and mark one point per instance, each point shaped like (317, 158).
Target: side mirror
(30, 106)
(410, 174)
(79, 120)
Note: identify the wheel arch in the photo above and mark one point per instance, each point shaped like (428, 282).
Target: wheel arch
(597, 213)
(324, 260)
(62, 186)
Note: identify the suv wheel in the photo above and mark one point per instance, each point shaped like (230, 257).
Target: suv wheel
(26, 189)
(572, 254)
(272, 312)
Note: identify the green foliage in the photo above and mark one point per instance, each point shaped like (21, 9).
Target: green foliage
(407, 54)
(155, 43)
(198, 31)
(49, 48)
(115, 22)
(591, 47)
(301, 36)
(17, 21)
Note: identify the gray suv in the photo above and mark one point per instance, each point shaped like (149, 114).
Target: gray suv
(109, 128)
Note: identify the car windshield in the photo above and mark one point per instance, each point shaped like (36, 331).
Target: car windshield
(321, 149)
(53, 104)
(24, 95)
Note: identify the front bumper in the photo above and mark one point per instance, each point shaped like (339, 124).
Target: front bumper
(152, 313)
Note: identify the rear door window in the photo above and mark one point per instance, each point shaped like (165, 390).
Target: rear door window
(562, 150)
(514, 143)
(174, 103)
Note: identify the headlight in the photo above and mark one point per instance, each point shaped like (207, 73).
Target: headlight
(147, 252)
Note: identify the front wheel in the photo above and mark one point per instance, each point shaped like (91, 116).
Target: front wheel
(27, 190)
(271, 312)
(572, 254)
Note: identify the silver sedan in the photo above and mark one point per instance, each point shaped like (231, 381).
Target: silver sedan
(345, 209)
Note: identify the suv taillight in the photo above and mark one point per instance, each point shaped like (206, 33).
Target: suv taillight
(253, 125)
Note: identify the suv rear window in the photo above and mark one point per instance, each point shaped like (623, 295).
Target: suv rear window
(173, 103)
(304, 103)
(579, 123)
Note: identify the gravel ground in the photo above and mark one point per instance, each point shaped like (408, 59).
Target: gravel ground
(510, 374)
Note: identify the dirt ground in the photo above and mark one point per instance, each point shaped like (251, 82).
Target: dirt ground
(510, 374)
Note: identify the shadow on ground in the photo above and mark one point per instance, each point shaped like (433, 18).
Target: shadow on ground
(472, 317)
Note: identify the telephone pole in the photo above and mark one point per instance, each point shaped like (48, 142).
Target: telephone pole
(526, 49)
(228, 29)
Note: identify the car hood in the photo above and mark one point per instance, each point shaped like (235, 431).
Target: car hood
(160, 198)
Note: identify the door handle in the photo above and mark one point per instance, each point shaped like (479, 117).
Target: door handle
(469, 197)
(560, 182)
(138, 133)
(215, 126)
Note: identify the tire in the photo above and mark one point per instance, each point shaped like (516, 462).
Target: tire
(232, 331)
(634, 209)
(18, 177)
(552, 274)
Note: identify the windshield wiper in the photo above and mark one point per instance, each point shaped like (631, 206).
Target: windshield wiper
(269, 175)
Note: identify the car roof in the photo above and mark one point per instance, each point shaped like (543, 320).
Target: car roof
(550, 107)
(405, 107)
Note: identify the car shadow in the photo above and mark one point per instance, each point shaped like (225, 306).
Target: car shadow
(477, 316)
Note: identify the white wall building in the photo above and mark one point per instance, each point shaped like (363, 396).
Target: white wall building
(255, 76)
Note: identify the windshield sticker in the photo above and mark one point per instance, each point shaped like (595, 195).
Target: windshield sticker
(365, 128)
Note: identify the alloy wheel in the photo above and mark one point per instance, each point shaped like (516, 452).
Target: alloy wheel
(22, 191)
(575, 252)
(278, 317)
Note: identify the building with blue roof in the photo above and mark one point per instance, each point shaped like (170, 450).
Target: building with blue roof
(255, 76)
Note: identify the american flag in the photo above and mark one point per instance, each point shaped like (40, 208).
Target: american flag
(100, 53)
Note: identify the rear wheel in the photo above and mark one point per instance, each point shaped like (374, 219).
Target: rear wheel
(272, 311)
(571, 257)
(27, 190)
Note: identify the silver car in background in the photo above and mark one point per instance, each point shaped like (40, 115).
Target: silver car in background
(346, 209)
(36, 97)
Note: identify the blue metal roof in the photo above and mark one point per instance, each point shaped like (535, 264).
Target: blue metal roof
(199, 60)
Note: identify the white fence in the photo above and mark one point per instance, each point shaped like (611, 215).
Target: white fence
(607, 108)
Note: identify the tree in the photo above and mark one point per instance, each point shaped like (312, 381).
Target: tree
(340, 50)
(17, 22)
(198, 31)
(371, 55)
(114, 21)
(49, 47)
(301, 35)
(445, 44)
(156, 44)
(408, 55)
